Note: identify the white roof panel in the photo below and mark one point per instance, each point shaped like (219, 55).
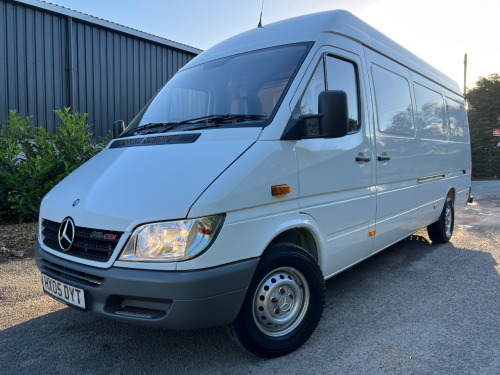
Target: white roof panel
(309, 27)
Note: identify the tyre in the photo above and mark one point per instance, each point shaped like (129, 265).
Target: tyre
(283, 304)
(442, 230)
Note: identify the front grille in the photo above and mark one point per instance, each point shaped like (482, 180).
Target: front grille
(70, 275)
(88, 243)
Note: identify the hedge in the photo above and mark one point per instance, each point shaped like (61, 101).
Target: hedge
(33, 160)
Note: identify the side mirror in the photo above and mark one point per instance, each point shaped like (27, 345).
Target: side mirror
(334, 110)
(333, 118)
(118, 128)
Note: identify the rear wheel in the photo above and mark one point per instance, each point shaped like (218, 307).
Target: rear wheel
(442, 230)
(284, 302)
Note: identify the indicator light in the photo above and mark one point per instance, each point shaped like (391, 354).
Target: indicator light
(280, 189)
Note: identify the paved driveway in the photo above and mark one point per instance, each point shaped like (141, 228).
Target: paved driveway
(415, 308)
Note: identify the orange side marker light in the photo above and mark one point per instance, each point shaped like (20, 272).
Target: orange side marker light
(372, 233)
(435, 206)
(280, 189)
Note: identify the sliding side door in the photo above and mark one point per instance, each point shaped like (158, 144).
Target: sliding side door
(396, 147)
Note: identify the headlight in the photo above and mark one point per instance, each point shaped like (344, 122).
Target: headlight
(172, 241)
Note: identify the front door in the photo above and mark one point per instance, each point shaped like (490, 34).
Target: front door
(336, 174)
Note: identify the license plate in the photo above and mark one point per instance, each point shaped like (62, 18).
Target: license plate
(68, 294)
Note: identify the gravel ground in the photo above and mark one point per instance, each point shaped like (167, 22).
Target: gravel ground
(17, 240)
(415, 308)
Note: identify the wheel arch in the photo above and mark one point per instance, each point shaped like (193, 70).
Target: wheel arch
(304, 236)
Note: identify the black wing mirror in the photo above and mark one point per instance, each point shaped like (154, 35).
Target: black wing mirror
(334, 110)
(118, 128)
(333, 118)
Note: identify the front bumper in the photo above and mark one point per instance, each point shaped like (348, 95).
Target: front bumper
(166, 299)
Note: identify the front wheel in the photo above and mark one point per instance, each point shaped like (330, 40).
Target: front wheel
(442, 230)
(284, 302)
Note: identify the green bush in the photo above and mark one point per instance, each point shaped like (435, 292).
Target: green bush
(33, 160)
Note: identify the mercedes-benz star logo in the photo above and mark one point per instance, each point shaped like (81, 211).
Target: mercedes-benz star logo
(285, 303)
(66, 234)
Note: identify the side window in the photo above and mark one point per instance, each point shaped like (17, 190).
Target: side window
(393, 102)
(456, 120)
(431, 119)
(466, 125)
(309, 101)
(342, 75)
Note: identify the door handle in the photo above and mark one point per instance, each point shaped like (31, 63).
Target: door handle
(384, 158)
(360, 159)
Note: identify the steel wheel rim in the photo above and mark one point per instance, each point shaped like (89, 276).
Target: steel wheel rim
(280, 301)
(448, 220)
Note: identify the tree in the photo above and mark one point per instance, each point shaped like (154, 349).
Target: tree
(484, 116)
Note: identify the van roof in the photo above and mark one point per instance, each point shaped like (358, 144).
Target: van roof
(309, 27)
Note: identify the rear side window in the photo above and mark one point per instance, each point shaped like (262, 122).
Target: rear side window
(456, 120)
(430, 114)
(393, 101)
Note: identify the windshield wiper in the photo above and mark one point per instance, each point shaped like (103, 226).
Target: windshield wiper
(155, 127)
(213, 121)
(210, 121)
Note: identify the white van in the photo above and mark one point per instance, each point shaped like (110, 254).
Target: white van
(268, 164)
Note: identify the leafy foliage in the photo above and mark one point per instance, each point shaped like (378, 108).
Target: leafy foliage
(33, 160)
(484, 116)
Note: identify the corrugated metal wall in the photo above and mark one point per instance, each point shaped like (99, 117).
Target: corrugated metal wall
(49, 61)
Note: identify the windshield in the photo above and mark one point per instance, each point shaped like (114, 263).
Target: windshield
(235, 90)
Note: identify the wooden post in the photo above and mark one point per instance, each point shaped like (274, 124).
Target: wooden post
(465, 74)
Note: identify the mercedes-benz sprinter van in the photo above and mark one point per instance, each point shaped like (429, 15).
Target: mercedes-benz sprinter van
(268, 164)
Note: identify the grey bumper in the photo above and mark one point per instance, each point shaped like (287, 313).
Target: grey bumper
(167, 299)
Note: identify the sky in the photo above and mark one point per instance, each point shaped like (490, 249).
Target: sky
(438, 31)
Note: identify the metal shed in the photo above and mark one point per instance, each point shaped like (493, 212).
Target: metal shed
(53, 57)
